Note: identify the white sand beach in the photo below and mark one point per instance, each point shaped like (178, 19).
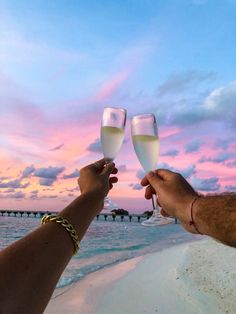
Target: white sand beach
(193, 278)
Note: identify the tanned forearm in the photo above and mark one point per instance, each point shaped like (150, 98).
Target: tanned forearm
(31, 267)
(216, 216)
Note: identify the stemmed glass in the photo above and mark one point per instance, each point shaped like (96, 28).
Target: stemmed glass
(112, 131)
(147, 146)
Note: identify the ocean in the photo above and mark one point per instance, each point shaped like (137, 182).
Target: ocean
(106, 243)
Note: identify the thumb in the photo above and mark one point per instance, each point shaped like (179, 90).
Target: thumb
(153, 179)
(107, 170)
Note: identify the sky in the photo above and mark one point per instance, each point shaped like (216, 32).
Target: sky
(62, 62)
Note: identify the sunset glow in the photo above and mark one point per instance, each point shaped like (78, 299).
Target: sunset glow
(62, 63)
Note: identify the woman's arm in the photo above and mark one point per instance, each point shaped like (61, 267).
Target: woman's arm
(31, 267)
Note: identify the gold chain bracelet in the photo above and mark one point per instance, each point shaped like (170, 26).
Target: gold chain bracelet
(67, 226)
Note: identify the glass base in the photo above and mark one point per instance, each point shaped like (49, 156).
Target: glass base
(157, 220)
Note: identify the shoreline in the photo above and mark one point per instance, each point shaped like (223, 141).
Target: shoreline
(197, 277)
(83, 296)
(65, 287)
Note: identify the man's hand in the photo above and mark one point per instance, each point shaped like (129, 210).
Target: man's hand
(175, 194)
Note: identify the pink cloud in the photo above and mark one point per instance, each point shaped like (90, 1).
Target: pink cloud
(32, 132)
(112, 85)
(166, 132)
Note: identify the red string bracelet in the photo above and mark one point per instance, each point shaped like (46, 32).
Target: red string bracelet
(191, 222)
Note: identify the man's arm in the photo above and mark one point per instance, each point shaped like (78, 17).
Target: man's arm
(216, 216)
(212, 215)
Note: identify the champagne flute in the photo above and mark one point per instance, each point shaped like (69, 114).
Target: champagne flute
(112, 131)
(147, 146)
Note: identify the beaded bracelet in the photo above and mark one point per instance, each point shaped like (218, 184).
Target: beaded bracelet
(191, 222)
(67, 226)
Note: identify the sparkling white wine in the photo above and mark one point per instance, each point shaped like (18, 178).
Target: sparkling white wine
(147, 150)
(111, 139)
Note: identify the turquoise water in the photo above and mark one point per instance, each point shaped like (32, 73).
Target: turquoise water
(105, 243)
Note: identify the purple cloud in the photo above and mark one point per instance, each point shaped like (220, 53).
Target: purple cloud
(28, 171)
(47, 181)
(222, 143)
(179, 82)
(74, 174)
(4, 178)
(230, 188)
(210, 184)
(45, 196)
(189, 171)
(76, 189)
(231, 164)
(217, 106)
(56, 148)
(221, 157)
(11, 190)
(34, 195)
(186, 172)
(95, 146)
(193, 146)
(171, 152)
(16, 195)
(49, 173)
(15, 184)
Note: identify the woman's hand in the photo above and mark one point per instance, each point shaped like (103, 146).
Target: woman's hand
(95, 178)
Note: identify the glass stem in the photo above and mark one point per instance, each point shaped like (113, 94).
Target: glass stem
(153, 202)
(156, 207)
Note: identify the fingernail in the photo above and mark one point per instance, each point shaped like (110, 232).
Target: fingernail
(151, 174)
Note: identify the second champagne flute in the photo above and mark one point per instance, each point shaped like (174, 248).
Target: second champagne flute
(112, 131)
(147, 146)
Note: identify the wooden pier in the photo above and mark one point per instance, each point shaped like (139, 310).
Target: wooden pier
(101, 216)
(104, 216)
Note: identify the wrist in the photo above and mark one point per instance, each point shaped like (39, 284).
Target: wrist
(94, 197)
(183, 211)
(193, 213)
(82, 211)
(199, 215)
